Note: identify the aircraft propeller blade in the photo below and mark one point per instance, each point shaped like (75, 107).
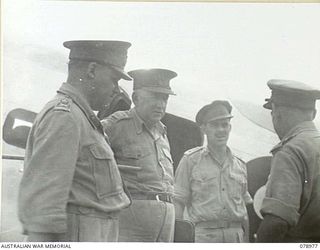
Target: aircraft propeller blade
(255, 113)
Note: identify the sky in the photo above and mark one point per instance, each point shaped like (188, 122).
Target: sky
(219, 51)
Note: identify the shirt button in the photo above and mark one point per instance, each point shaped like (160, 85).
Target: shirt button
(222, 189)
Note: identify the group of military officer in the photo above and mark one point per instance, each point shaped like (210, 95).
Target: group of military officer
(87, 179)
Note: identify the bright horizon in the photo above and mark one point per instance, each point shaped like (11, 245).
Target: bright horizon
(229, 50)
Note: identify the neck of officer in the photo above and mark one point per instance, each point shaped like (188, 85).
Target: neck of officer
(81, 87)
(150, 124)
(288, 118)
(151, 127)
(219, 152)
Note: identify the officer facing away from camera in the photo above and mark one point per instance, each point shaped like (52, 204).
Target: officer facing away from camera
(71, 188)
(211, 182)
(291, 205)
(141, 148)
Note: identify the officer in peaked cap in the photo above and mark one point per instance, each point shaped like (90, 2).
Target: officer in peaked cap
(153, 80)
(210, 180)
(214, 111)
(292, 200)
(142, 151)
(60, 195)
(292, 94)
(111, 53)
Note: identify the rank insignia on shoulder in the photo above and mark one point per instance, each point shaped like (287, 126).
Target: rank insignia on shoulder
(118, 116)
(193, 150)
(240, 159)
(63, 105)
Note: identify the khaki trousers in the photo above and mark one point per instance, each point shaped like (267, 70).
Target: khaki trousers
(147, 221)
(219, 235)
(83, 228)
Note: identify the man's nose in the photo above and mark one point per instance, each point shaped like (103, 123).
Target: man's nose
(161, 102)
(221, 128)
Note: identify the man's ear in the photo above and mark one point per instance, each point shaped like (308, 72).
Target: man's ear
(203, 128)
(91, 71)
(134, 98)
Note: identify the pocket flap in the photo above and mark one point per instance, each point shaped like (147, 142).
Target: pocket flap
(204, 177)
(130, 153)
(237, 177)
(100, 152)
(135, 152)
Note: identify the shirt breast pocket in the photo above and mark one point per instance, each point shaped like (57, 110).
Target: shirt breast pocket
(205, 187)
(133, 155)
(105, 171)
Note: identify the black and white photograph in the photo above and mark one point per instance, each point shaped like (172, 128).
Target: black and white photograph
(166, 122)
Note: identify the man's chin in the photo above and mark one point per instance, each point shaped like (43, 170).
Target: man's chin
(101, 106)
(221, 141)
(158, 116)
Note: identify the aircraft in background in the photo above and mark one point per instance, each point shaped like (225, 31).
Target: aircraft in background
(30, 69)
(15, 133)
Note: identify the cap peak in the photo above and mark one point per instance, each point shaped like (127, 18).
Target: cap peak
(153, 79)
(109, 52)
(291, 93)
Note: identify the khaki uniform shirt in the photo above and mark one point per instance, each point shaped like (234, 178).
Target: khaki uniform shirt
(67, 161)
(148, 154)
(212, 191)
(293, 187)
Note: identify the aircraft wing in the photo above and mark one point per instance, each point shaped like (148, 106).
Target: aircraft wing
(255, 113)
(15, 132)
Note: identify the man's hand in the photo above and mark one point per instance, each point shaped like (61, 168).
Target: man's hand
(272, 229)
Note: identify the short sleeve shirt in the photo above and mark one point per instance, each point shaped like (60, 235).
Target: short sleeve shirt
(212, 191)
(146, 155)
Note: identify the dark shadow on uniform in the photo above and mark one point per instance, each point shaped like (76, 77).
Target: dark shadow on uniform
(183, 134)
(258, 171)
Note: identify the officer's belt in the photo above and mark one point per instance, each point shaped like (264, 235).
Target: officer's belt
(91, 212)
(219, 224)
(152, 196)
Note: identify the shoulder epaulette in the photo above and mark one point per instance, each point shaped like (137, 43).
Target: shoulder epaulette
(193, 150)
(63, 105)
(239, 159)
(118, 116)
(194, 155)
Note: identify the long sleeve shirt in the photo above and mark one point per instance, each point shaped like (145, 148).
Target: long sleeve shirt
(67, 161)
(293, 187)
